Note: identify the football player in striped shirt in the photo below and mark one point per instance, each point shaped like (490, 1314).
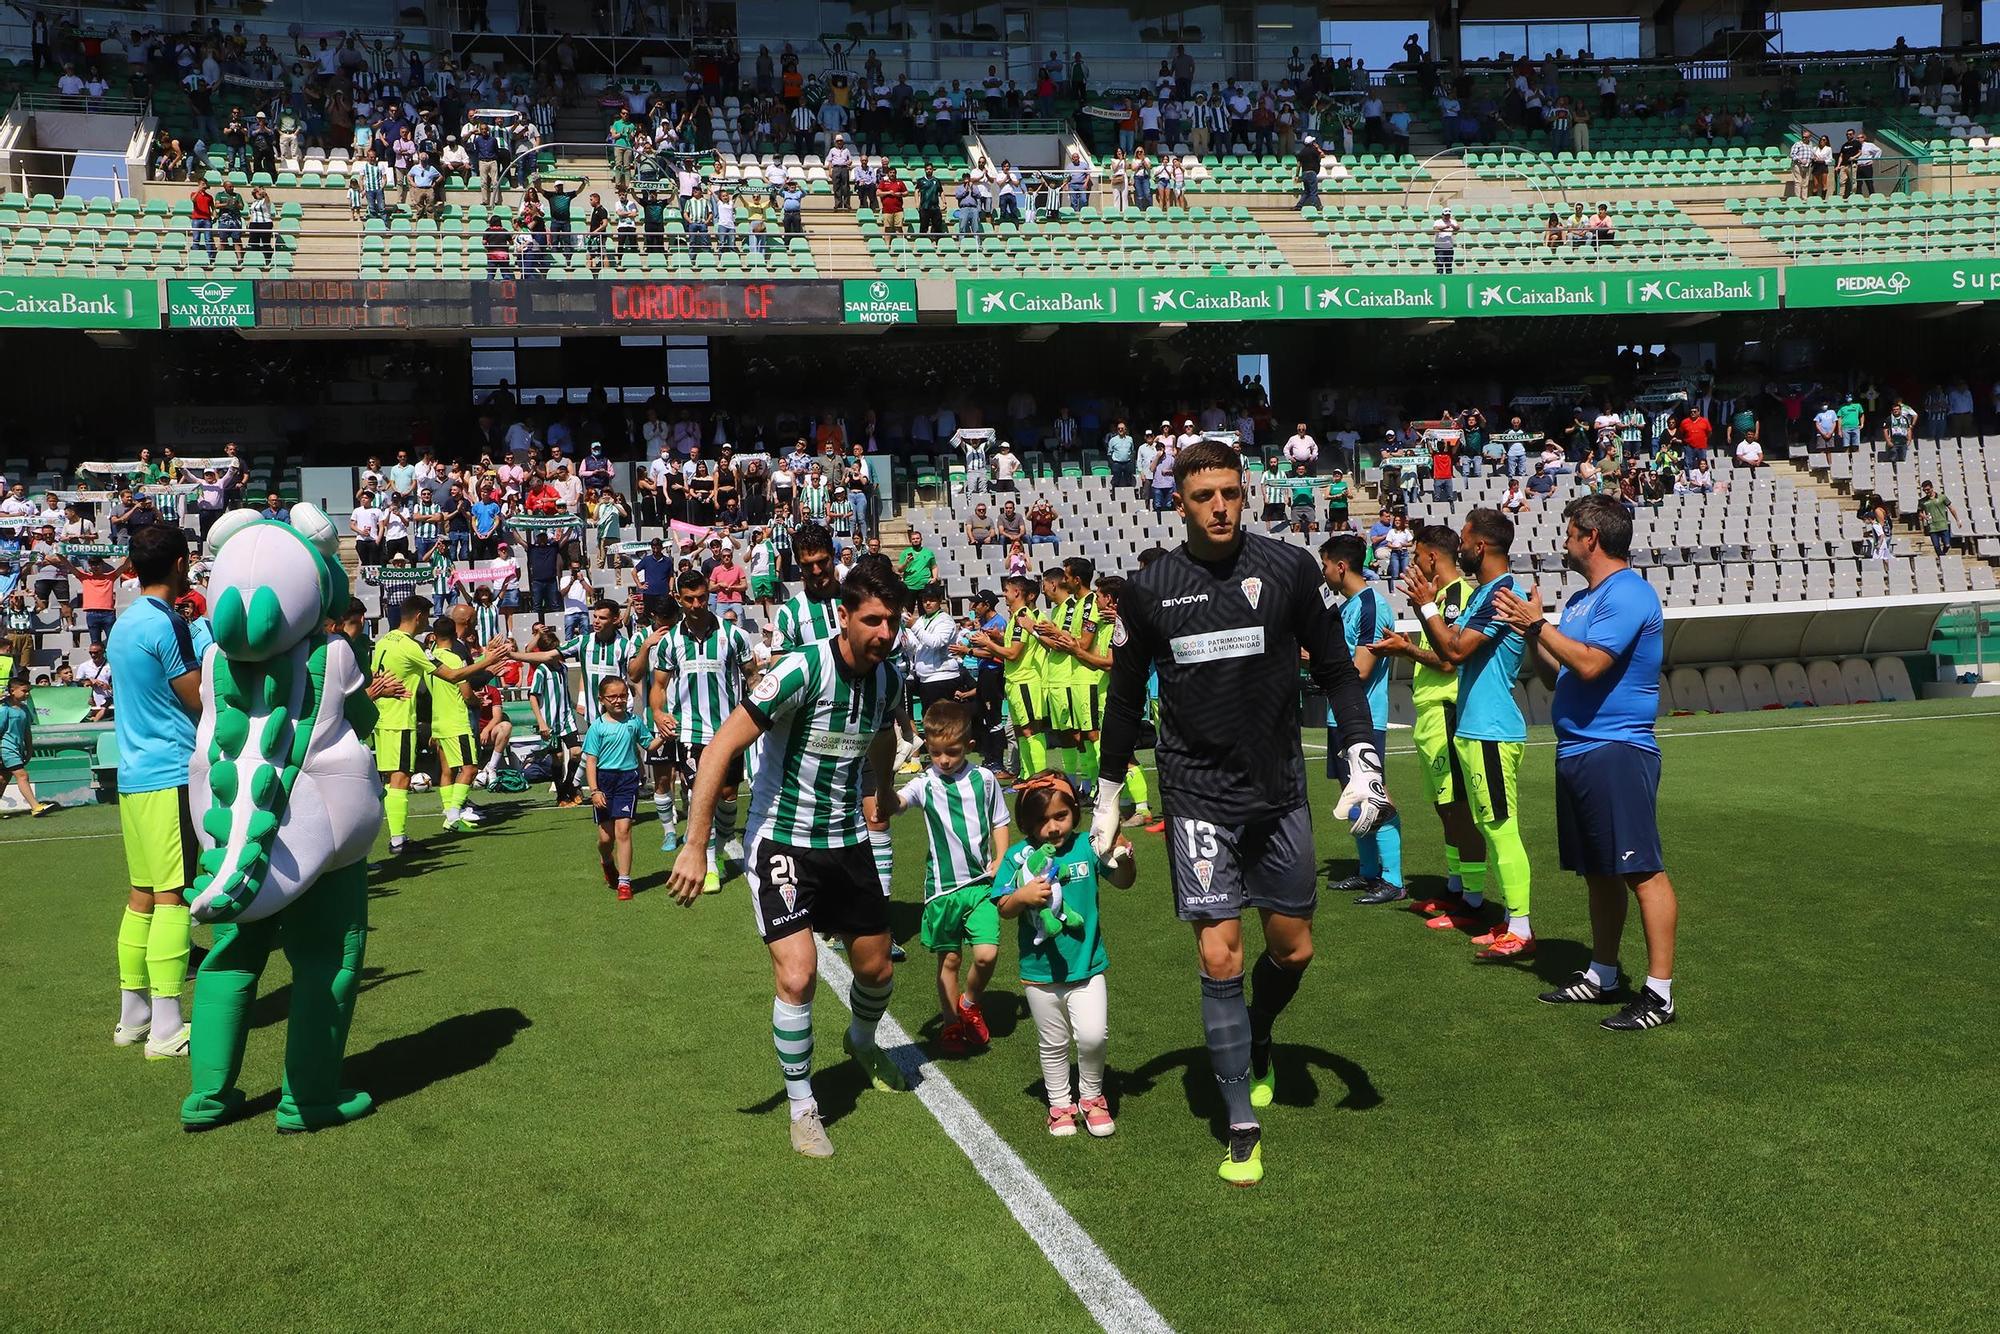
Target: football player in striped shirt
(555, 719)
(966, 824)
(827, 716)
(604, 651)
(697, 670)
(811, 614)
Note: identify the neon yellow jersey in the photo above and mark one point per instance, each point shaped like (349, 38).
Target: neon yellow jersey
(1094, 635)
(1430, 687)
(1060, 669)
(403, 658)
(450, 714)
(1026, 669)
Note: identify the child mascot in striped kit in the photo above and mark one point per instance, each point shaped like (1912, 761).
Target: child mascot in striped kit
(288, 803)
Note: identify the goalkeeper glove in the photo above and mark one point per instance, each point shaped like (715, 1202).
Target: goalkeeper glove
(1364, 800)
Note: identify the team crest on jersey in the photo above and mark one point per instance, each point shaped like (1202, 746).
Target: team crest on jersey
(767, 689)
(1253, 588)
(1118, 632)
(1204, 870)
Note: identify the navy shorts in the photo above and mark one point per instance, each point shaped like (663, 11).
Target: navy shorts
(621, 795)
(1607, 819)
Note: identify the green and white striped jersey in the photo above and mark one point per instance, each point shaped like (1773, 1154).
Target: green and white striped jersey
(485, 622)
(960, 815)
(550, 687)
(601, 659)
(426, 525)
(819, 723)
(800, 621)
(707, 678)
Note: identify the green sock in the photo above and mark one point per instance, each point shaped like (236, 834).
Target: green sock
(167, 950)
(1135, 783)
(396, 804)
(1088, 761)
(1034, 753)
(454, 796)
(1062, 758)
(1473, 876)
(133, 931)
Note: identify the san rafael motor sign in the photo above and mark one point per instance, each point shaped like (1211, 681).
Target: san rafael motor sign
(79, 303)
(211, 305)
(878, 301)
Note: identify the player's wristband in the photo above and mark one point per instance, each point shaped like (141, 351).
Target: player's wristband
(1428, 610)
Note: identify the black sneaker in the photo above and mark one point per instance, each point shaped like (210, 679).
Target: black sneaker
(1647, 1010)
(1383, 892)
(1354, 884)
(1581, 990)
(896, 954)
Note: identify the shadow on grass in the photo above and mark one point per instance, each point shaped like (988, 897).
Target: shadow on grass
(398, 1067)
(272, 1007)
(1297, 1085)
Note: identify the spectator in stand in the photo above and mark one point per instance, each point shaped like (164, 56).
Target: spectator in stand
(917, 565)
(1005, 465)
(1938, 515)
(1042, 526)
(1749, 455)
(1695, 432)
(1119, 451)
(1541, 486)
(979, 528)
(1011, 528)
(1897, 428)
(1826, 428)
(201, 218)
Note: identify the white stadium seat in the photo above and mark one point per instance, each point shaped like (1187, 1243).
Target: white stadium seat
(1690, 691)
(1859, 676)
(1827, 686)
(1892, 680)
(1792, 684)
(1759, 691)
(1724, 694)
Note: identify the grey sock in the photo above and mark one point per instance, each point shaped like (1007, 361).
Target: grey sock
(1226, 1021)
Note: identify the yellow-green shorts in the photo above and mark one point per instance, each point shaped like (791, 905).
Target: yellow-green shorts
(160, 846)
(1027, 703)
(395, 750)
(455, 752)
(1077, 707)
(967, 917)
(1492, 773)
(1435, 727)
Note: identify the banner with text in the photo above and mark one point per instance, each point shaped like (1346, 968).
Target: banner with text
(1362, 296)
(881, 301)
(1859, 285)
(211, 304)
(79, 303)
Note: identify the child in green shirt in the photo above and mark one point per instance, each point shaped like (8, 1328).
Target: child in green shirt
(1063, 973)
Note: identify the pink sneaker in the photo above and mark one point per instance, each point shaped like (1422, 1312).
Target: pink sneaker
(1097, 1117)
(1062, 1121)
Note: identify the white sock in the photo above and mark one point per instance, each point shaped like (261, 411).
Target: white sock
(134, 1008)
(1663, 985)
(166, 1016)
(492, 765)
(451, 814)
(1518, 924)
(663, 805)
(1604, 974)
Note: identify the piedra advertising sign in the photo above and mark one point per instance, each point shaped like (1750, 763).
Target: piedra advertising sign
(1856, 286)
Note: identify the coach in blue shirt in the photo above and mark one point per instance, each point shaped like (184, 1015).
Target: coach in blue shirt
(1603, 662)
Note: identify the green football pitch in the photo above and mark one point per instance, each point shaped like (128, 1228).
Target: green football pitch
(581, 1124)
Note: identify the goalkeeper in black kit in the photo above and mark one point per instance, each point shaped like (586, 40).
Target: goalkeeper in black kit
(1222, 617)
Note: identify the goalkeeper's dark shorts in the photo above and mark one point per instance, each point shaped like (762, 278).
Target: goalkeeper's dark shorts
(1218, 870)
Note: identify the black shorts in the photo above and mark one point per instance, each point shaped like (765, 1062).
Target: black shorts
(830, 890)
(1607, 816)
(1218, 870)
(945, 687)
(671, 756)
(690, 763)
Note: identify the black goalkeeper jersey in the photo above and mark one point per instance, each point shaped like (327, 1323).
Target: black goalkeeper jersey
(1225, 638)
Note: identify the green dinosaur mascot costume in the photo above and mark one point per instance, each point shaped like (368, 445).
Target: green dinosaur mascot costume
(288, 803)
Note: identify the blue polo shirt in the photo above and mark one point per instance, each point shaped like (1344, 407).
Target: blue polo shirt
(656, 574)
(150, 645)
(1621, 616)
(485, 517)
(1487, 710)
(1365, 618)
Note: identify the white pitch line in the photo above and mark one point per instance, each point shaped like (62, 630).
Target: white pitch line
(1867, 720)
(1106, 1293)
